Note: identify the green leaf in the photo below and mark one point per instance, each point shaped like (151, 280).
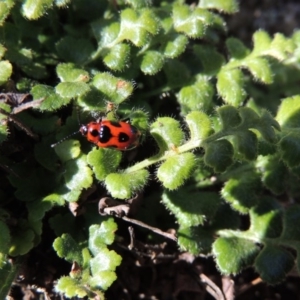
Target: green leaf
(167, 133)
(192, 23)
(138, 28)
(72, 89)
(291, 223)
(195, 240)
(241, 192)
(199, 125)
(75, 50)
(247, 144)
(52, 100)
(152, 62)
(105, 260)
(288, 115)
(118, 57)
(102, 280)
(273, 263)
(260, 69)
(236, 48)
(4, 12)
(229, 116)
(219, 155)
(67, 248)
(289, 147)
(197, 96)
(70, 73)
(123, 186)
(101, 235)
(265, 219)
(230, 86)
(104, 161)
(71, 287)
(78, 175)
(211, 60)
(5, 71)
(176, 169)
(113, 88)
(191, 208)
(34, 9)
(273, 173)
(68, 150)
(227, 6)
(232, 254)
(175, 45)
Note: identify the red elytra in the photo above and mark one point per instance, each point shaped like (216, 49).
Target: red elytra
(120, 135)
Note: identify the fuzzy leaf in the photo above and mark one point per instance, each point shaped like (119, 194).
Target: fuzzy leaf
(228, 6)
(4, 11)
(71, 287)
(265, 219)
(273, 263)
(5, 71)
(195, 240)
(74, 50)
(167, 133)
(233, 254)
(291, 223)
(199, 125)
(229, 116)
(191, 209)
(260, 69)
(78, 175)
(274, 173)
(175, 45)
(197, 96)
(34, 9)
(103, 161)
(52, 100)
(123, 186)
(241, 193)
(192, 23)
(236, 48)
(22, 241)
(101, 235)
(67, 150)
(70, 73)
(105, 260)
(176, 169)
(152, 62)
(247, 144)
(288, 114)
(71, 89)
(112, 88)
(118, 57)
(289, 147)
(102, 280)
(138, 28)
(219, 155)
(67, 248)
(230, 86)
(211, 60)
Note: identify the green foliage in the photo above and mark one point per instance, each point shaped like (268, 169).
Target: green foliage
(232, 148)
(93, 265)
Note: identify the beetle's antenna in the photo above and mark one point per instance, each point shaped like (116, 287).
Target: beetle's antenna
(63, 139)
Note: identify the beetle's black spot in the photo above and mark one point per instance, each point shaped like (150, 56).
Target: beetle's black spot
(123, 137)
(115, 124)
(94, 132)
(105, 134)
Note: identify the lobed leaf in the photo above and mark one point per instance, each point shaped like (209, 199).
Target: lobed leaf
(228, 6)
(191, 209)
(124, 185)
(273, 263)
(176, 169)
(232, 254)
